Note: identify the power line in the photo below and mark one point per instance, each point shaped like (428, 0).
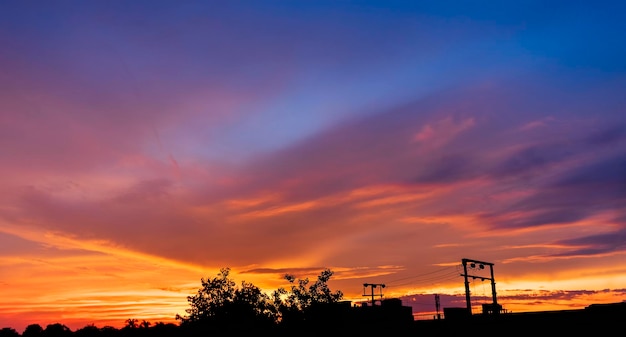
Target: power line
(446, 270)
(432, 279)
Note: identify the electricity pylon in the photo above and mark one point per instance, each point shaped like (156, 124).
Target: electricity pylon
(480, 265)
(373, 286)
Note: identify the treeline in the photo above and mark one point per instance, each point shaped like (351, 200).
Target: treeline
(221, 305)
(60, 330)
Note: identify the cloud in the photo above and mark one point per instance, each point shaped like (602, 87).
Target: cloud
(437, 134)
(597, 185)
(513, 300)
(533, 157)
(612, 242)
(536, 124)
(314, 196)
(609, 136)
(449, 168)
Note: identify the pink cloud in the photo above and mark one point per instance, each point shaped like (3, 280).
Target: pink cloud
(437, 134)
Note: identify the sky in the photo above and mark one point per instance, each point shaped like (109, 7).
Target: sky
(144, 145)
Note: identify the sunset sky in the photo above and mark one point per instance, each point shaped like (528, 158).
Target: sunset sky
(147, 144)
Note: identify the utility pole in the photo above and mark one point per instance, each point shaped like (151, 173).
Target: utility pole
(437, 306)
(468, 302)
(373, 286)
(495, 308)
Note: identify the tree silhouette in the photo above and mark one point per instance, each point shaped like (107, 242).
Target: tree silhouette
(57, 330)
(108, 331)
(253, 306)
(33, 330)
(161, 329)
(88, 331)
(9, 332)
(303, 299)
(210, 299)
(221, 304)
(131, 323)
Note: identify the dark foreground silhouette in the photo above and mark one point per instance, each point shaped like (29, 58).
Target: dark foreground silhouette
(220, 307)
(594, 320)
(345, 320)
